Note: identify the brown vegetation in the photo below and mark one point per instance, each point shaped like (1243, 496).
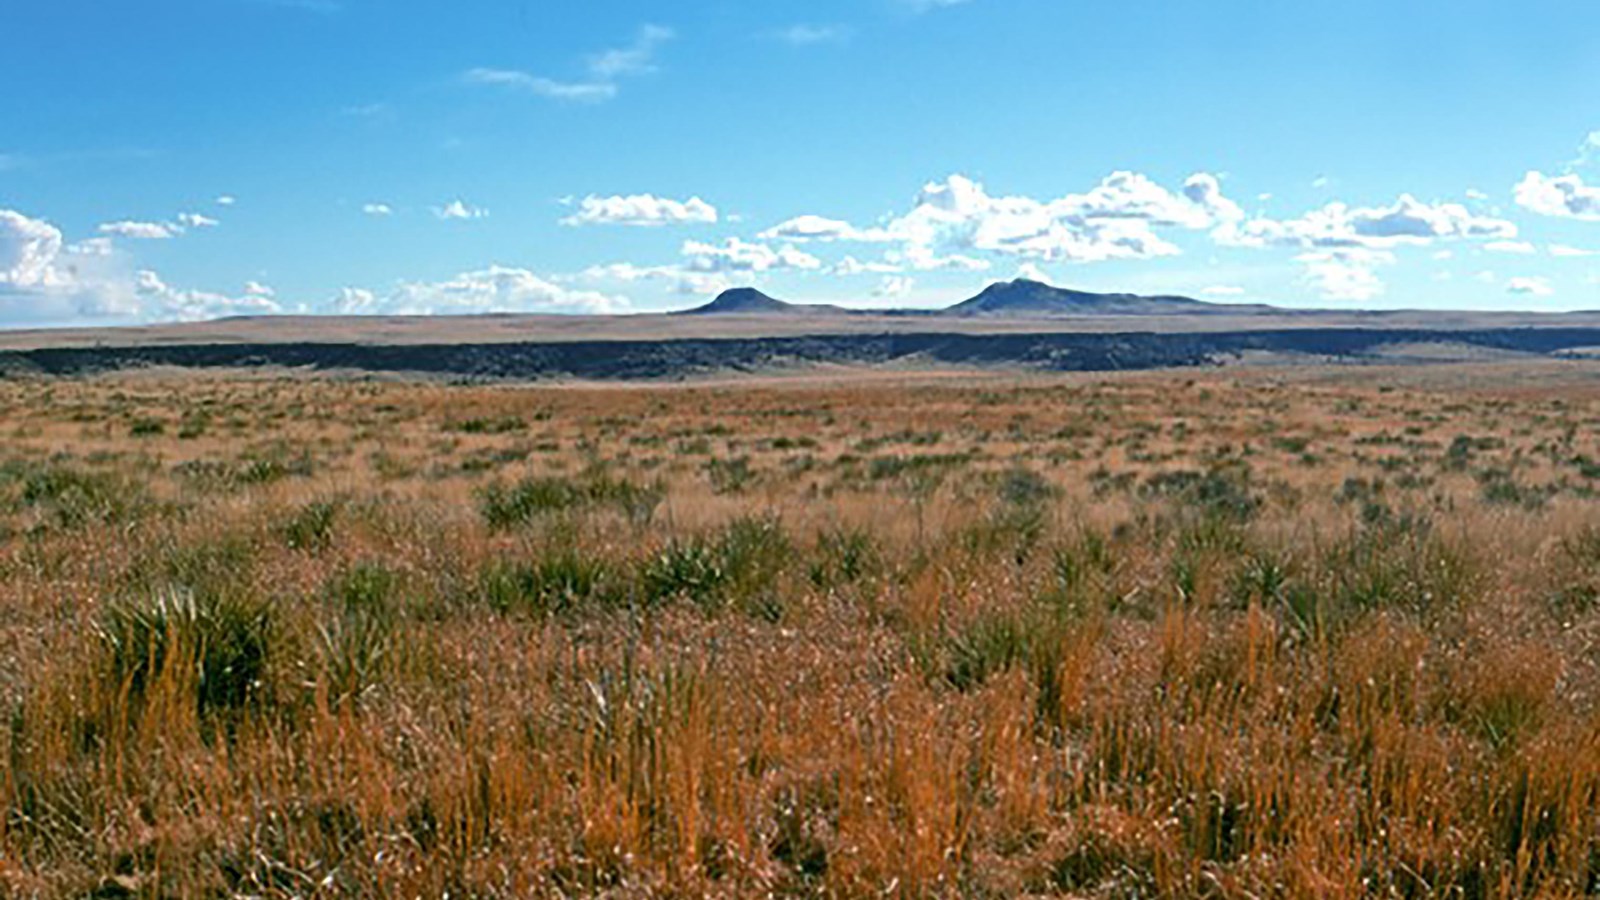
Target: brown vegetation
(1150, 636)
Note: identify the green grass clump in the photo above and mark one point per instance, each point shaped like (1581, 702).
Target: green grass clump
(226, 642)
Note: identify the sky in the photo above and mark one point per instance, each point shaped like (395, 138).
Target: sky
(188, 159)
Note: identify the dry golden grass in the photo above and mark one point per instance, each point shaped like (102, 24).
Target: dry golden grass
(1208, 635)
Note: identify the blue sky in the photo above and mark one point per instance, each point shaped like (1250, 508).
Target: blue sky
(170, 159)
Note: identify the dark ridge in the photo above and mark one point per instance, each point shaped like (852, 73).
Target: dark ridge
(678, 358)
(1032, 298)
(743, 301)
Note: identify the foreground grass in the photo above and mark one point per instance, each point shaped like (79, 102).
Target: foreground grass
(1149, 637)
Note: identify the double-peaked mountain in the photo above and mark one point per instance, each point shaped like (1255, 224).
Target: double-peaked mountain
(1032, 298)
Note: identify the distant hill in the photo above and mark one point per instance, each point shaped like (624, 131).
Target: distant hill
(1032, 298)
(1006, 299)
(749, 301)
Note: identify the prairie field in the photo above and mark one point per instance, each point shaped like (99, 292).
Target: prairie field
(1228, 634)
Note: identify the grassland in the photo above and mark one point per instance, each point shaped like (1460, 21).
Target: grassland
(1163, 635)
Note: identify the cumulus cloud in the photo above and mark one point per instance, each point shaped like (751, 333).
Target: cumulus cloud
(925, 259)
(1347, 274)
(954, 222)
(1530, 287)
(196, 220)
(226, 200)
(894, 286)
(496, 289)
(28, 251)
(458, 210)
(1565, 196)
(44, 279)
(1204, 190)
(852, 266)
(641, 210)
(958, 216)
(1337, 225)
(377, 209)
(158, 300)
(736, 255)
(142, 231)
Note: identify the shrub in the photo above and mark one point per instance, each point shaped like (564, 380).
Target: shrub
(500, 425)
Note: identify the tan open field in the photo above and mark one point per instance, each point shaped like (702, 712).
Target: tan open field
(541, 328)
(1304, 632)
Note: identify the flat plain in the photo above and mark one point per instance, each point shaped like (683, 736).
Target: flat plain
(1299, 632)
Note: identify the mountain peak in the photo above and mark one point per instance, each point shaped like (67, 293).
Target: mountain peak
(743, 300)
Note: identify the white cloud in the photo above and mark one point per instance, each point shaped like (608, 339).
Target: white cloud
(634, 59)
(1530, 287)
(924, 259)
(196, 220)
(143, 231)
(894, 286)
(226, 200)
(819, 228)
(377, 209)
(100, 246)
(1129, 195)
(851, 266)
(1521, 248)
(1562, 250)
(491, 290)
(28, 251)
(1408, 221)
(159, 301)
(1345, 274)
(641, 210)
(952, 222)
(922, 6)
(806, 35)
(604, 69)
(1565, 196)
(1030, 272)
(1205, 191)
(44, 279)
(1223, 290)
(1111, 221)
(457, 210)
(682, 280)
(1589, 150)
(575, 91)
(736, 255)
